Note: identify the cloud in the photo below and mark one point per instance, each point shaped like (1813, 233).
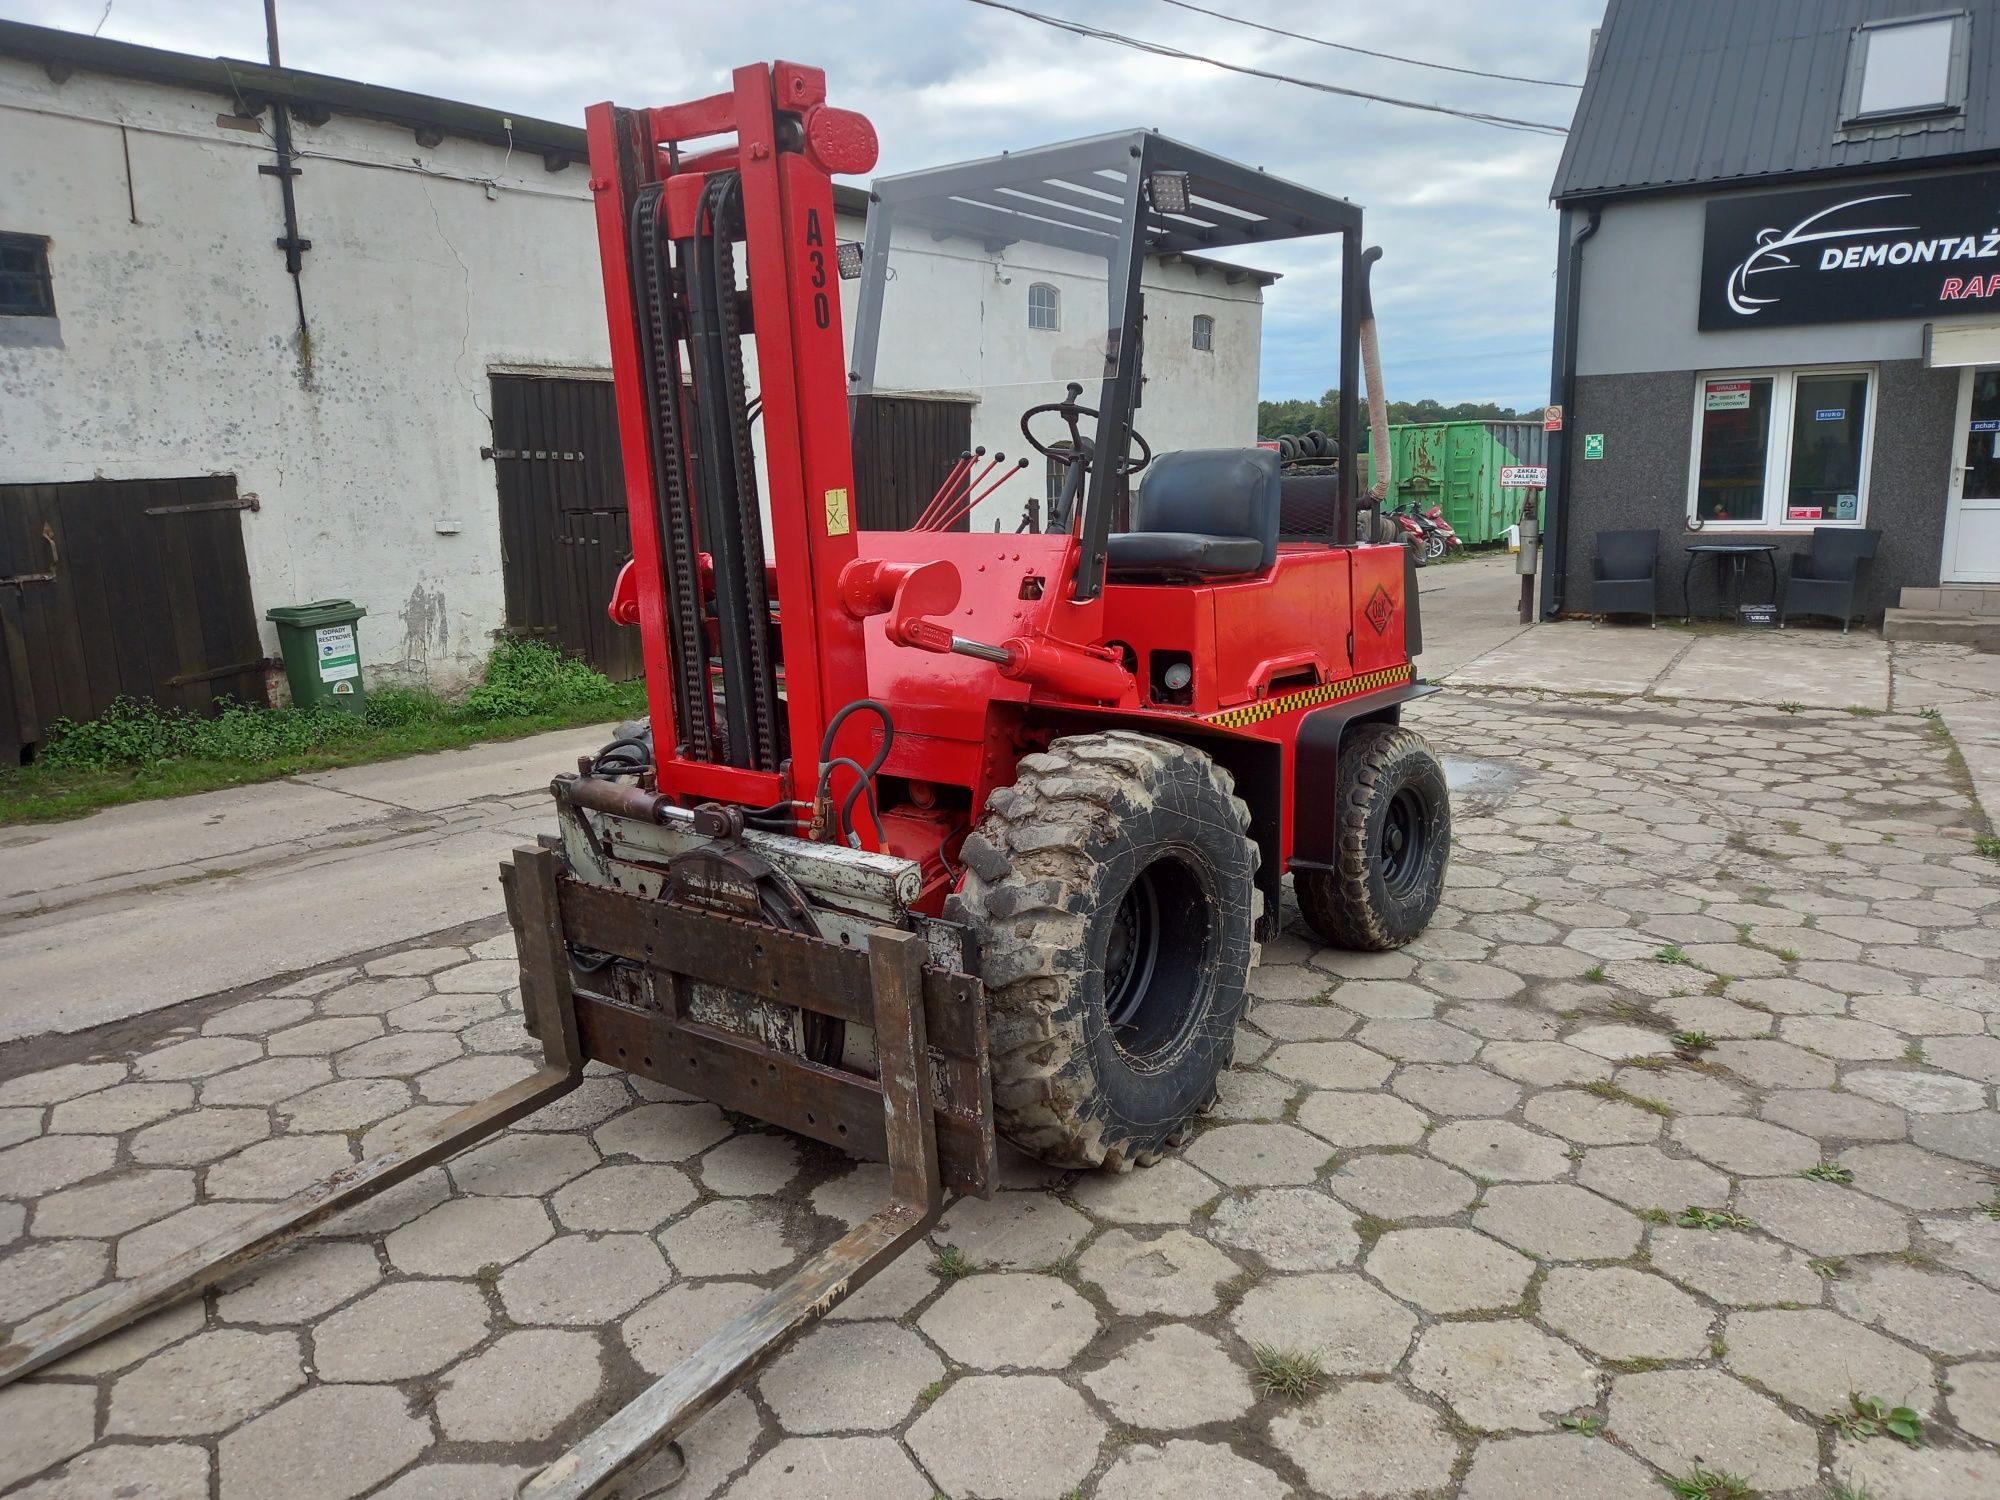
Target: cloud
(1466, 286)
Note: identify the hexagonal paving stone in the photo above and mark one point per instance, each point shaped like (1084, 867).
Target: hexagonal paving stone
(1750, 1148)
(278, 1168)
(1558, 1221)
(1171, 1272)
(999, 1322)
(1174, 1377)
(1243, 1093)
(1363, 1439)
(1646, 1177)
(1397, 1186)
(1975, 1398)
(258, 1017)
(1330, 1065)
(124, 1107)
(207, 1384)
(1351, 1328)
(1499, 1150)
(1916, 1178)
(409, 1328)
(67, 1081)
(522, 1163)
(1292, 1229)
(1184, 1470)
(143, 1249)
(1940, 1474)
(678, 1321)
(1385, 1000)
(632, 1196)
(574, 1280)
(1814, 1358)
(750, 1165)
(332, 1442)
(55, 1161)
(1829, 1116)
(42, 1275)
(833, 1468)
(445, 1481)
(1821, 1218)
(1590, 1120)
(1946, 1314)
(1973, 1137)
(45, 1423)
(1502, 1375)
(1543, 1063)
(1456, 1089)
(196, 1058)
(1167, 1193)
(1361, 1119)
(414, 961)
(1449, 1270)
(346, 1105)
(662, 1132)
(372, 997)
(445, 1013)
(1249, 1155)
(1739, 1270)
(1007, 1435)
(1620, 1313)
(318, 1038)
(107, 1209)
(1543, 1468)
(522, 1389)
(1012, 1231)
(1419, 1041)
(261, 1083)
(485, 977)
(467, 1080)
(1919, 1093)
(1616, 1043)
(402, 1054)
(730, 1237)
(148, 1471)
(1680, 1418)
(134, 1342)
(299, 1284)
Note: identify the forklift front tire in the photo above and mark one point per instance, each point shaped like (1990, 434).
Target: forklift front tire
(1113, 893)
(1391, 848)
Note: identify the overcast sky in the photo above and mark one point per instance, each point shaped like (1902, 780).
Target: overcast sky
(1466, 285)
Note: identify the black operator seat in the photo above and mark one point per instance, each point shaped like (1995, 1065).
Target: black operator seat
(1201, 513)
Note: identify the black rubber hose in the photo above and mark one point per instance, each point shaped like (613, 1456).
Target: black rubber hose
(844, 820)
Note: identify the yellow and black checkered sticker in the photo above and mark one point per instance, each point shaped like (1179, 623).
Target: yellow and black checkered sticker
(1312, 697)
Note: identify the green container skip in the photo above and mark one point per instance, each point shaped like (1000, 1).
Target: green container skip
(1457, 465)
(322, 652)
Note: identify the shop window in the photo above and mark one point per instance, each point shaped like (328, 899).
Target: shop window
(1204, 333)
(1904, 68)
(25, 288)
(1044, 307)
(1782, 448)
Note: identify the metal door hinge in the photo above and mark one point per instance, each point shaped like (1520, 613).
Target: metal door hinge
(241, 502)
(554, 453)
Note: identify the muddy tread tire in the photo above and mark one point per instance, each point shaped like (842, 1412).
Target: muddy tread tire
(1351, 906)
(1045, 869)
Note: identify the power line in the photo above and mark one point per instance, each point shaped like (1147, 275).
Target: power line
(1161, 49)
(1415, 62)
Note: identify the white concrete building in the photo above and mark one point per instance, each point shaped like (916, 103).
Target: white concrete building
(441, 321)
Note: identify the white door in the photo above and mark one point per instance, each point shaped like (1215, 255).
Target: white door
(1972, 508)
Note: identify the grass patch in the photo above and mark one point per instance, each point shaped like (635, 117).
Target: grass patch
(950, 1263)
(1673, 953)
(1713, 1219)
(1656, 1215)
(1829, 1171)
(1991, 1207)
(1709, 1484)
(1987, 844)
(1692, 1041)
(1914, 1053)
(1293, 1374)
(1870, 1416)
(1371, 1227)
(136, 751)
(1605, 1089)
(1585, 1422)
(931, 1392)
(1595, 973)
(1832, 1268)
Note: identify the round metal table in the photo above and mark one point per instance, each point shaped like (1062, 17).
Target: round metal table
(1737, 555)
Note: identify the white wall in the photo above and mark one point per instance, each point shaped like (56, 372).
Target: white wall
(178, 349)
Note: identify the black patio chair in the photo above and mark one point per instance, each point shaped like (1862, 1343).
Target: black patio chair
(1624, 577)
(1825, 579)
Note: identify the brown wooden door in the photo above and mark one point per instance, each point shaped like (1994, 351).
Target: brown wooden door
(136, 588)
(564, 533)
(904, 446)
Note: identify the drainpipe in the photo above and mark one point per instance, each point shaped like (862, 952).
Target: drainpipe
(285, 171)
(1555, 528)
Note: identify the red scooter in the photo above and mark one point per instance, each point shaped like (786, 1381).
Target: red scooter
(1439, 537)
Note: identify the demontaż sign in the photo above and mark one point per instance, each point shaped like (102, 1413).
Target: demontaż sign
(1923, 247)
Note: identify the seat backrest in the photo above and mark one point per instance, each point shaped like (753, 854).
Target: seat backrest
(1839, 551)
(1628, 554)
(1213, 492)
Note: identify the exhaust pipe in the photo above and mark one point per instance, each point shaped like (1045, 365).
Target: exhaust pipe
(1371, 369)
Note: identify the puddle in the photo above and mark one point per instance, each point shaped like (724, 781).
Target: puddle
(1479, 786)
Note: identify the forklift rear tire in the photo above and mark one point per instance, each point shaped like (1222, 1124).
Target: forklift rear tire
(1391, 846)
(1112, 890)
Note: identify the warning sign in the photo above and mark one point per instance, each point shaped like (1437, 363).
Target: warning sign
(1552, 419)
(1726, 395)
(1524, 477)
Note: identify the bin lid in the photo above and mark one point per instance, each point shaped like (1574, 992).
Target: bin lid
(319, 612)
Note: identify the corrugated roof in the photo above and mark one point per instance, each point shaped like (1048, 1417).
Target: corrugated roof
(1685, 92)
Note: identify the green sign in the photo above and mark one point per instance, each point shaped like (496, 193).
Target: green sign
(1593, 445)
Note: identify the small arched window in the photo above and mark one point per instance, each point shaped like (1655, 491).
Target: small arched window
(1204, 332)
(1044, 306)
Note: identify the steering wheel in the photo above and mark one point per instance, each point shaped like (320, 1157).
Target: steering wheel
(1079, 451)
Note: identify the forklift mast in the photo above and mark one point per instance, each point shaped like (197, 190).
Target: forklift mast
(676, 189)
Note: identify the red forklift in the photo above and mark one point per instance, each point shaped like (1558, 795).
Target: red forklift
(935, 836)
